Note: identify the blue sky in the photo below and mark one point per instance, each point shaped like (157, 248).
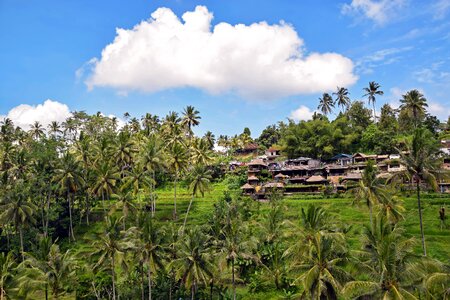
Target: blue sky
(250, 75)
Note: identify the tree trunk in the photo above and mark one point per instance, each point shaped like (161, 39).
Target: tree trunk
(420, 218)
(153, 194)
(103, 201)
(142, 282)
(21, 242)
(374, 115)
(46, 291)
(232, 279)
(113, 277)
(71, 235)
(371, 214)
(149, 282)
(175, 197)
(187, 213)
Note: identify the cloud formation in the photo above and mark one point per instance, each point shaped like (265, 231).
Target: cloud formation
(302, 113)
(379, 11)
(24, 115)
(258, 61)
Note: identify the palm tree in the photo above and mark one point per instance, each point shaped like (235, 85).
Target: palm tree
(178, 160)
(194, 263)
(235, 242)
(57, 269)
(124, 149)
(200, 152)
(36, 130)
(190, 119)
(124, 201)
(111, 249)
(422, 164)
(200, 178)
(17, 209)
(54, 128)
(151, 248)
(153, 160)
(388, 259)
(371, 92)
(7, 274)
(342, 98)
(69, 179)
(105, 180)
(414, 104)
(325, 104)
(369, 189)
(210, 139)
(322, 266)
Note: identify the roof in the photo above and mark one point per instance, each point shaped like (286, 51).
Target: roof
(274, 185)
(251, 146)
(247, 187)
(257, 162)
(279, 175)
(383, 156)
(340, 156)
(273, 148)
(336, 167)
(353, 176)
(252, 178)
(316, 178)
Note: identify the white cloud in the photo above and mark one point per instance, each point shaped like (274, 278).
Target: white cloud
(379, 11)
(441, 8)
(255, 61)
(24, 115)
(302, 113)
(367, 63)
(439, 110)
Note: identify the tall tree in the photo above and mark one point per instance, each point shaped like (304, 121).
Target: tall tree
(177, 164)
(200, 179)
(414, 104)
(326, 104)
(422, 165)
(342, 99)
(190, 118)
(372, 91)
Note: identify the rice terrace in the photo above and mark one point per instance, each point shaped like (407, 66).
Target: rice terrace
(225, 149)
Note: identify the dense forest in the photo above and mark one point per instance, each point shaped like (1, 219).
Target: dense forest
(82, 216)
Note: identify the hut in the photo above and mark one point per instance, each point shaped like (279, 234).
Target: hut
(317, 179)
(248, 189)
(253, 180)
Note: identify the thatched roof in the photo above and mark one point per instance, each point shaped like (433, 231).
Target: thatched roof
(257, 162)
(316, 178)
(252, 178)
(279, 175)
(274, 185)
(247, 187)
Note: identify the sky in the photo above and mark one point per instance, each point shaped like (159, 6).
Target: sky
(240, 63)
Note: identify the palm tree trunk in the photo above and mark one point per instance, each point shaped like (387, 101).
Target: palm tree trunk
(175, 197)
(46, 291)
(187, 213)
(232, 279)
(374, 115)
(420, 218)
(103, 201)
(21, 242)
(71, 235)
(149, 283)
(113, 277)
(153, 194)
(371, 215)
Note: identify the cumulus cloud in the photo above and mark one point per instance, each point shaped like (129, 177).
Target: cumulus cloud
(378, 11)
(302, 113)
(255, 61)
(24, 115)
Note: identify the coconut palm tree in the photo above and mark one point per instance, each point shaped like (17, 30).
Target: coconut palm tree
(369, 189)
(190, 119)
(7, 275)
(16, 209)
(178, 159)
(210, 139)
(326, 104)
(56, 269)
(422, 165)
(110, 249)
(389, 260)
(69, 179)
(194, 262)
(124, 149)
(153, 160)
(37, 130)
(200, 152)
(322, 267)
(150, 247)
(414, 104)
(106, 177)
(124, 201)
(200, 179)
(371, 91)
(342, 98)
(54, 128)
